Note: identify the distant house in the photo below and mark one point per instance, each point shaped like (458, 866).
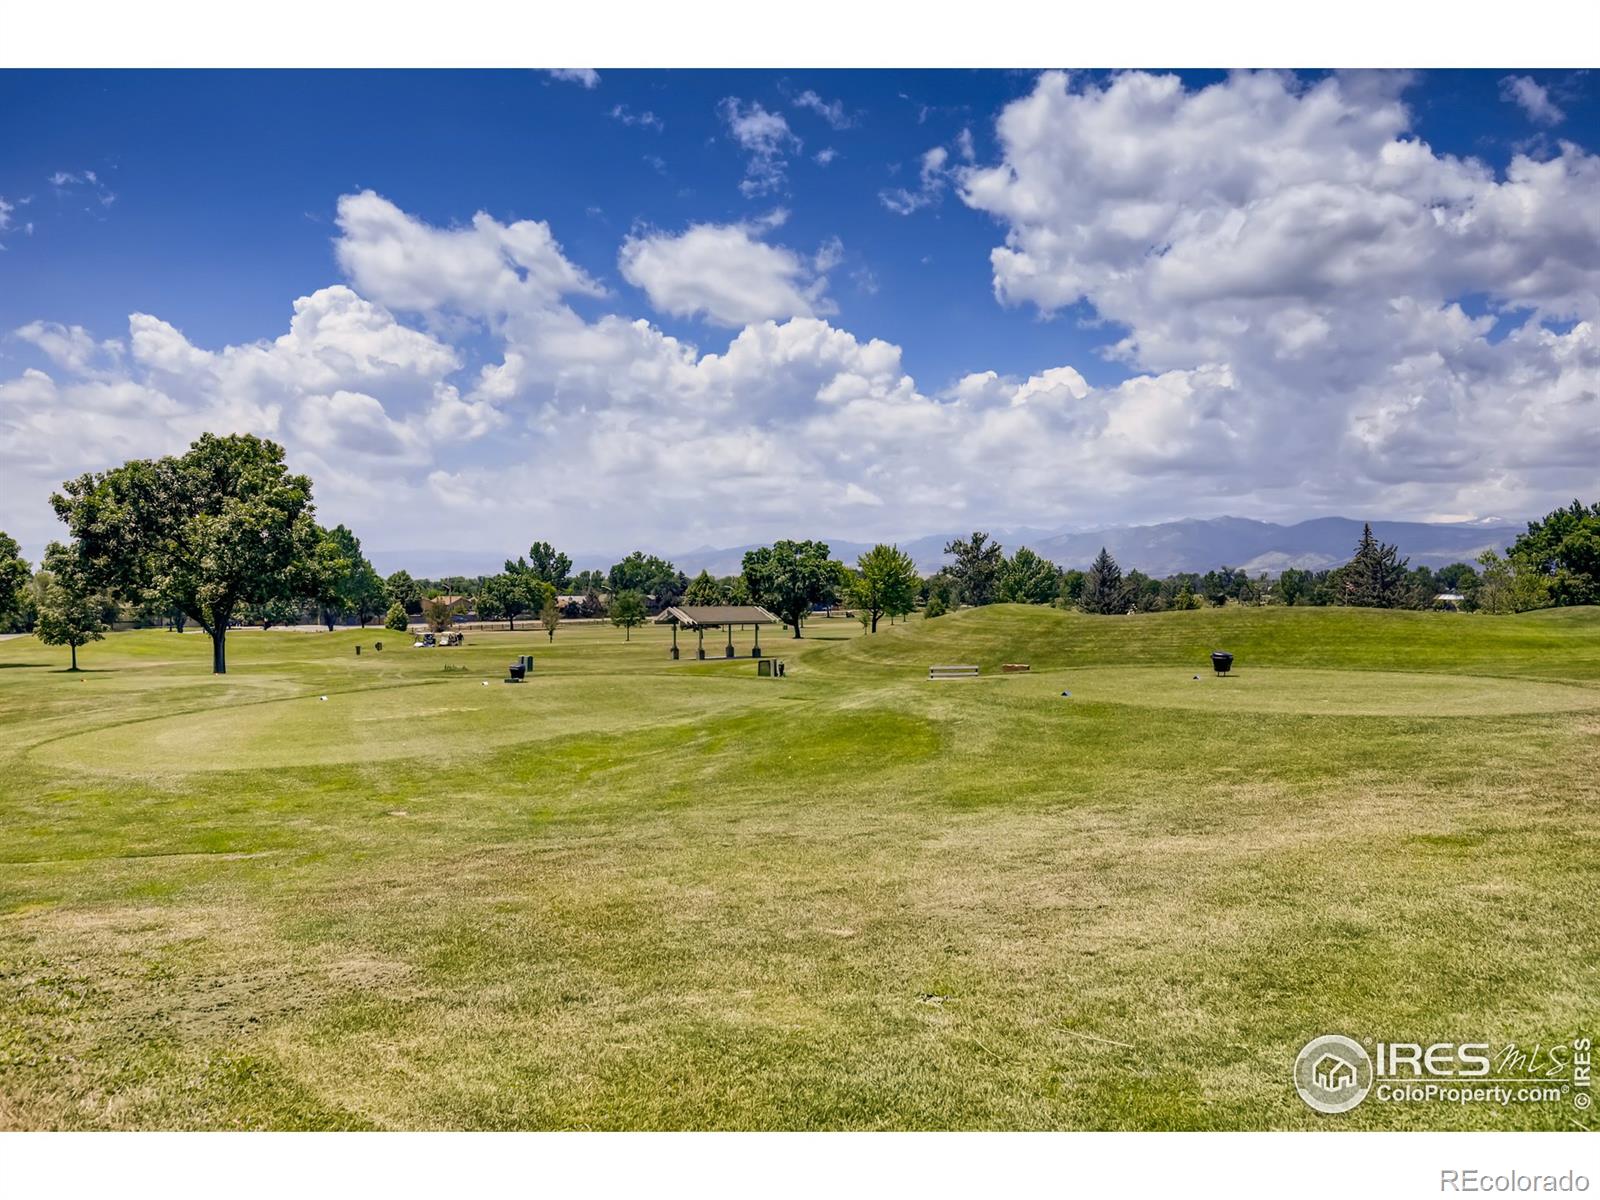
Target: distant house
(459, 606)
(578, 604)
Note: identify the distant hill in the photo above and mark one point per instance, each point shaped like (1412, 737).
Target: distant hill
(1257, 546)
(1189, 545)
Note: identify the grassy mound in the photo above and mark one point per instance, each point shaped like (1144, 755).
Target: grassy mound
(1557, 644)
(1317, 693)
(443, 720)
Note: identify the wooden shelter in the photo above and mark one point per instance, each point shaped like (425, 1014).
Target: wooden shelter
(701, 617)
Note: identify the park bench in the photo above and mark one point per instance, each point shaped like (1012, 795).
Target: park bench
(956, 671)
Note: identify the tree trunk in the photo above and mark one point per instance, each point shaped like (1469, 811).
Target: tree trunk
(74, 656)
(874, 622)
(219, 651)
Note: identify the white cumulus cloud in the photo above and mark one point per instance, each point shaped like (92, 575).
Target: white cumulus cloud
(1532, 98)
(932, 178)
(725, 273)
(767, 141)
(584, 77)
(485, 269)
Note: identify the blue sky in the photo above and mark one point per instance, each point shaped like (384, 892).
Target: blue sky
(225, 186)
(210, 201)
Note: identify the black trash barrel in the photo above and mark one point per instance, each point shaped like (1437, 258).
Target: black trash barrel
(1221, 662)
(517, 671)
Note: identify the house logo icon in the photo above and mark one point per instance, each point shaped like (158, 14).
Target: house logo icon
(1333, 1073)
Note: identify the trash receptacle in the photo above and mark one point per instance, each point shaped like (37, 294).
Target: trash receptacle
(1221, 662)
(764, 666)
(517, 670)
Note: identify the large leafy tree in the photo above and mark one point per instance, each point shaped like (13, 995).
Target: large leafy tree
(942, 586)
(789, 577)
(404, 591)
(341, 580)
(280, 610)
(335, 560)
(884, 583)
(1565, 547)
(1026, 578)
(649, 576)
(549, 564)
(1104, 591)
(368, 598)
(976, 567)
(703, 590)
(499, 598)
(1376, 576)
(323, 574)
(1510, 585)
(1294, 586)
(515, 590)
(1462, 579)
(14, 577)
(68, 615)
(218, 527)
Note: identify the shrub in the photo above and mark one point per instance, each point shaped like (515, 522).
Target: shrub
(934, 608)
(396, 619)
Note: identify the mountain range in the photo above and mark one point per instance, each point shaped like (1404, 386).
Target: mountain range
(1164, 549)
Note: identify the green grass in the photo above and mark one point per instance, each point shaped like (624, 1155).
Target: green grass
(642, 894)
